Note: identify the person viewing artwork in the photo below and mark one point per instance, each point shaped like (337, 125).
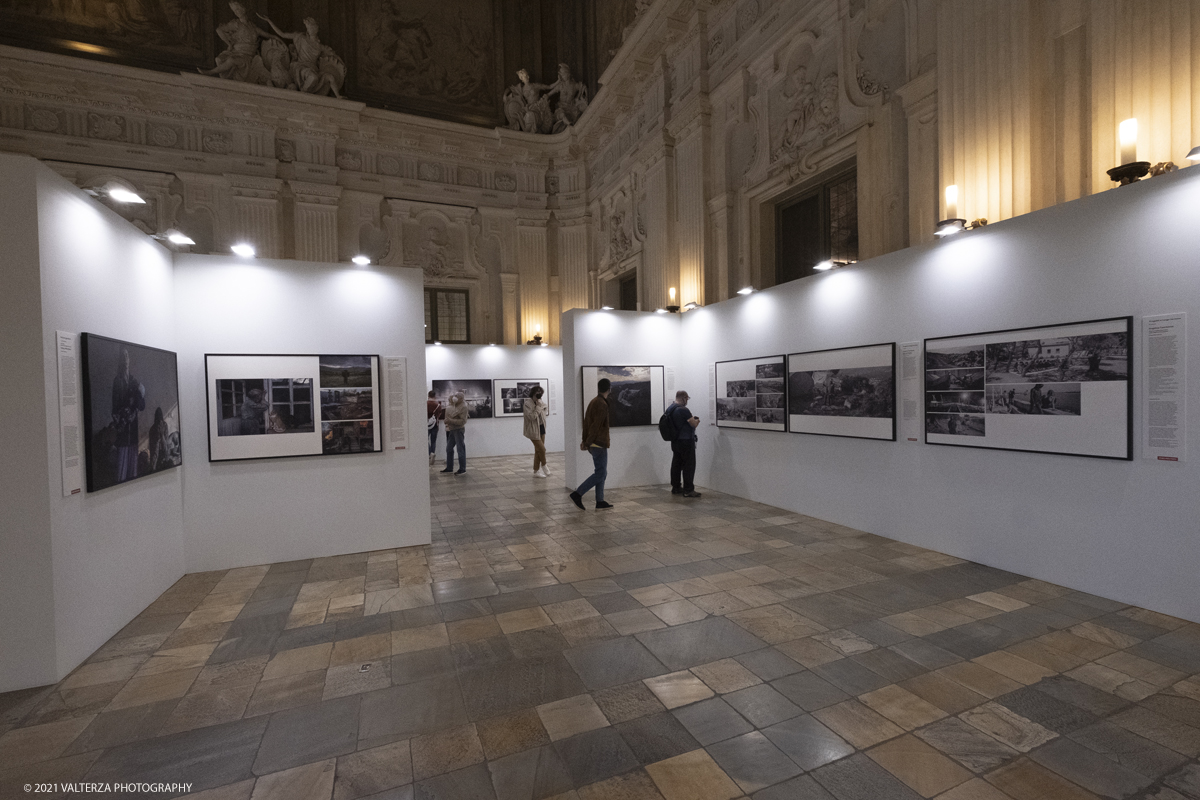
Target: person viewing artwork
(596, 442)
(683, 446)
(435, 412)
(535, 429)
(456, 431)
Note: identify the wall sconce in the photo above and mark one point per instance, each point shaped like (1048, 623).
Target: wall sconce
(745, 290)
(1131, 170)
(952, 224)
(673, 307)
(537, 336)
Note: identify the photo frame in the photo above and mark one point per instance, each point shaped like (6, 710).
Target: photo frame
(846, 391)
(130, 411)
(637, 394)
(510, 393)
(752, 393)
(1057, 389)
(282, 406)
(476, 392)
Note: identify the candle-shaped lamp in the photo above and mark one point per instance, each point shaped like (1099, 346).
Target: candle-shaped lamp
(1127, 132)
(671, 291)
(952, 202)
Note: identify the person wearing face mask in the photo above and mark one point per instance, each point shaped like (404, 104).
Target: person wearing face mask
(535, 430)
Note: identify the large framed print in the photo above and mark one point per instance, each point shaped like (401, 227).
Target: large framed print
(752, 393)
(279, 406)
(130, 411)
(636, 396)
(477, 394)
(510, 394)
(850, 391)
(1061, 389)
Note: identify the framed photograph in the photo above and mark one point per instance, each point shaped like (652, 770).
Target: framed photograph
(1061, 389)
(752, 393)
(636, 397)
(850, 391)
(278, 406)
(130, 411)
(476, 393)
(510, 394)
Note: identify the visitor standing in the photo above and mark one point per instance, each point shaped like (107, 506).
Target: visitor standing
(683, 446)
(434, 411)
(535, 430)
(595, 441)
(455, 416)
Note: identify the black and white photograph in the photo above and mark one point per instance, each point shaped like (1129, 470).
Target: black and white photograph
(282, 406)
(945, 402)
(843, 392)
(636, 395)
(752, 393)
(510, 394)
(1061, 359)
(956, 424)
(951, 379)
(736, 409)
(346, 404)
(339, 371)
(338, 438)
(1037, 398)
(1074, 377)
(476, 393)
(264, 406)
(130, 411)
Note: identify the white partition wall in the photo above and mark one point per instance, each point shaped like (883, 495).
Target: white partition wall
(1127, 530)
(499, 436)
(73, 569)
(638, 456)
(267, 510)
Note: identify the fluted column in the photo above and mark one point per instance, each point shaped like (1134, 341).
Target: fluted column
(315, 220)
(921, 107)
(659, 270)
(573, 261)
(533, 267)
(510, 304)
(691, 210)
(254, 213)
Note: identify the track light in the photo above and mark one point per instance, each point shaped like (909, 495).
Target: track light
(1195, 154)
(244, 250)
(606, 308)
(361, 260)
(660, 311)
(177, 237)
(823, 265)
(745, 290)
(122, 195)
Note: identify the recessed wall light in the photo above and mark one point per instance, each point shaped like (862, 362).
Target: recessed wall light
(122, 195)
(823, 265)
(660, 311)
(745, 290)
(177, 237)
(361, 260)
(244, 250)
(606, 308)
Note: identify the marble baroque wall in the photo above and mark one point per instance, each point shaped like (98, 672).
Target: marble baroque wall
(711, 113)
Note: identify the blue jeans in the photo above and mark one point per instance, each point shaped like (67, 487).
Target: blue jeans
(596, 479)
(456, 438)
(433, 439)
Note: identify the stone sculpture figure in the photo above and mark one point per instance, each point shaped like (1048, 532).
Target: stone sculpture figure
(527, 104)
(240, 61)
(316, 69)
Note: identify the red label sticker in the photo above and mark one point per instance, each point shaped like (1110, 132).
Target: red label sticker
(1168, 458)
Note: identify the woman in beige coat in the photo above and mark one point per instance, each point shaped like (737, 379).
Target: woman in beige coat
(535, 430)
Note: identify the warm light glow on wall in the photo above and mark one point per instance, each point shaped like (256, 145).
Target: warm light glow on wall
(951, 202)
(671, 292)
(1127, 132)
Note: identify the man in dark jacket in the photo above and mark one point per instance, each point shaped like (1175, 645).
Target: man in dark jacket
(683, 446)
(595, 441)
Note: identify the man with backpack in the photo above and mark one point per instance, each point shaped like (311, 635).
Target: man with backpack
(678, 425)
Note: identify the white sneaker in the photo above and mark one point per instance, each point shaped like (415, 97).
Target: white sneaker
(432, 456)
(538, 475)
(545, 472)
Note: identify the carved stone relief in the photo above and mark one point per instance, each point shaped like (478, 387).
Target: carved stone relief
(879, 53)
(804, 106)
(440, 242)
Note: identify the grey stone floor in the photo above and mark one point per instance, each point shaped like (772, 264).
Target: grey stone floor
(668, 648)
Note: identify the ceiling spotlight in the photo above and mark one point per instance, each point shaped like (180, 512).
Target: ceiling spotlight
(122, 195)
(244, 250)
(176, 237)
(949, 227)
(660, 311)
(606, 308)
(1195, 154)
(823, 265)
(745, 290)
(439, 344)
(361, 260)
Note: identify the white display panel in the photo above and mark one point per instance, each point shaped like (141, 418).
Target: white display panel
(849, 391)
(752, 393)
(636, 396)
(270, 406)
(1061, 389)
(510, 393)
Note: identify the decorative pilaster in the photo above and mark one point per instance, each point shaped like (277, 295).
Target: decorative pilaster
(315, 215)
(573, 261)
(691, 211)
(533, 267)
(510, 303)
(254, 213)
(924, 194)
(661, 270)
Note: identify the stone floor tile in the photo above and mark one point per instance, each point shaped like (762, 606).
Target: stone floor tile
(902, 707)
(40, 742)
(807, 742)
(613, 662)
(808, 652)
(369, 772)
(153, 688)
(1046, 710)
(692, 776)
(967, 745)
(678, 689)
(596, 755)
(1014, 667)
(979, 679)
(695, 643)
(636, 785)
(563, 719)
(1008, 727)
(1186, 780)
(656, 737)
(1025, 780)
(310, 733)
(762, 705)
(404, 711)
(753, 761)
(860, 778)
(626, 702)
(857, 724)
(1128, 749)
(422, 638)
(938, 690)
(349, 679)
(512, 733)
(1089, 769)
(523, 620)
(283, 693)
(474, 782)
(677, 612)
(726, 675)
(535, 773)
(232, 791)
(712, 720)
(919, 766)
(308, 782)
(445, 751)
(975, 789)
(210, 707)
(298, 660)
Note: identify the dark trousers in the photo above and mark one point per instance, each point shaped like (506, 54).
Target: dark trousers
(683, 464)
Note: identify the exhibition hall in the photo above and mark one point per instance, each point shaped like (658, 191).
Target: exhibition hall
(588, 400)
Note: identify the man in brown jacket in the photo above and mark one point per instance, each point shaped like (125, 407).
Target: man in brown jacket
(595, 441)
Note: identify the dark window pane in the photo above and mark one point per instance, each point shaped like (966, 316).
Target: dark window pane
(428, 317)
(801, 239)
(843, 219)
(628, 292)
